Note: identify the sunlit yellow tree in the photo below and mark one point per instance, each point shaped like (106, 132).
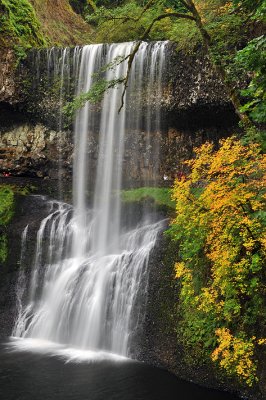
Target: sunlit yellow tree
(220, 227)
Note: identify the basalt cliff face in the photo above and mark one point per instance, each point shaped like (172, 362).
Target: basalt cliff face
(8, 86)
(162, 343)
(194, 104)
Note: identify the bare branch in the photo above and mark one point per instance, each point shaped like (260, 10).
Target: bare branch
(123, 18)
(129, 65)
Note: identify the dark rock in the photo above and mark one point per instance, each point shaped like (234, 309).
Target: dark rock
(9, 92)
(160, 343)
(29, 210)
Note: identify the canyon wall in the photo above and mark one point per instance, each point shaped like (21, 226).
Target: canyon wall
(35, 134)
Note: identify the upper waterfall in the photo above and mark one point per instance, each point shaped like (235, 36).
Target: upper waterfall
(89, 275)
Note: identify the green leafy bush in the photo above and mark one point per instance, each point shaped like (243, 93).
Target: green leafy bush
(252, 59)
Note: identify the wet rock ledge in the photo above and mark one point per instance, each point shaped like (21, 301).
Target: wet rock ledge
(35, 142)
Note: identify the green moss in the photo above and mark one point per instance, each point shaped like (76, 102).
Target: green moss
(7, 207)
(6, 213)
(3, 248)
(19, 26)
(161, 196)
(6, 204)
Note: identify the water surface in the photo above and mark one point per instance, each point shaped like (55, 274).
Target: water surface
(33, 375)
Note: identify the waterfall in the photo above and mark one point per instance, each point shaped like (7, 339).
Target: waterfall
(90, 272)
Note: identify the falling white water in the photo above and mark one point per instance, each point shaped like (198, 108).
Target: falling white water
(90, 272)
(109, 170)
(60, 75)
(21, 282)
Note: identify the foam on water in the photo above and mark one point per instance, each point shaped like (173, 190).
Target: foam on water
(68, 354)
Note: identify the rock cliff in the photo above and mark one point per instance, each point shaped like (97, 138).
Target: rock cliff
(194, 105)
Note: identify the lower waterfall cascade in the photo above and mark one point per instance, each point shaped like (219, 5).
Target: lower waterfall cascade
(88, 282)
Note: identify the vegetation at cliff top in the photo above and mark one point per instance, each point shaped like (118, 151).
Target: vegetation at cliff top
(228, 22)
(220, 237)
(37, 23)
(230, 31)
(19, 26)
(60, 24)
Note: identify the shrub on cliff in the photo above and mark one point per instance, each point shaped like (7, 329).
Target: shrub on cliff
(221, 232)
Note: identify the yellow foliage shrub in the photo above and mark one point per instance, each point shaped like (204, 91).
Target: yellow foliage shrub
(220, 227)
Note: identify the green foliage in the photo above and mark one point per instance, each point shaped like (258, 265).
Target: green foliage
(252, 59)
(161, 196)
(3, 248)
(183, 32)
(6, 213)
(109, 3)
(19, 25)
(227, 32)
(255, 135)
(116, 24)
(6, 204)
(257, 7)
(127, 21)
(94, 95)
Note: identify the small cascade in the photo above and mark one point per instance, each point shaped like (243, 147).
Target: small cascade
(87, 301)
(21, 282)
(90, 272)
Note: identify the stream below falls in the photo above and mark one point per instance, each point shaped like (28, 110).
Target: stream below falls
(61, 374)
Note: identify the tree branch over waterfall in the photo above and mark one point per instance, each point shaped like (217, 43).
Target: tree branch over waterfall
(144, 24)
(194, 15)
(144, 36)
